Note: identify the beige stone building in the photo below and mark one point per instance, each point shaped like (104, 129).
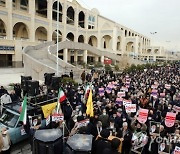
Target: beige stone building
(31, 22)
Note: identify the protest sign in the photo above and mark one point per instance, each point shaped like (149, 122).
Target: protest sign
(109, 88)
(154, 128)
(177, 150)
(162, 95)
(124, 89)
(101, 91)
(143, 114)
(121, 94)
(164, 148)
(176, 108)
(48, 120)
(130, 108)
(126, 102)
(57, 117)
(170, 119)
(119, 101)
(83, 123)
(167, 86)
(35, 120)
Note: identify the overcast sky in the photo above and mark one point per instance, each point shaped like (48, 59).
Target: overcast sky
(144, 16)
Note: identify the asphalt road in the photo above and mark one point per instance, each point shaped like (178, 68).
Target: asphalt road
(21, 148)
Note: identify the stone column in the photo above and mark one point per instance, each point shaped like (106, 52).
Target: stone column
(85, 56)
(114, 39)
(49, 15)
(10, 24)
(86, 20)
(75, 56)
(96, 59)
(32, 12)
(123, 45)
(102, 59)
(136, 45)
(76, 17)
(65, 55)
(17, 3)
(76, 23)
(64, 12)
(64, 20)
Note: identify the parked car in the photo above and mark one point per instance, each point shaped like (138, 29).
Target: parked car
(10, 120)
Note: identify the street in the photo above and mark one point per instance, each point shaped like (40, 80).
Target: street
(21, 148)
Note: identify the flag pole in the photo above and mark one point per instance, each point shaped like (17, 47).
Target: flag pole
(57, 52)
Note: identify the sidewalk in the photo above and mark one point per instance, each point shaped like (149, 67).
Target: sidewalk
(10, 75)
(21, 148)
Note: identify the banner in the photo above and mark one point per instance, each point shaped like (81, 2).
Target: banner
(23, 132)
(139, 140)
(83, 123)
(114, 84)
(119, 101)
(154, 86)
(48, 120)
(170, 119)
(154, 93)
(154, 128)
(109, 88)
(143, 114)
(125, 102)
(57, 117)
(35, 120)
(162, 95)
(124, 89)
(167, 86)
(177, 150)
(130, 108)
(176, 108)
(47, 109)
(121, 94)
(101, 91)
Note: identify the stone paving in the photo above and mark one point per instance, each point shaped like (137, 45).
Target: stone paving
(21, 148)
(10, 75)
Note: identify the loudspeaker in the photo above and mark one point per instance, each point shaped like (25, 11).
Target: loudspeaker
(24, 80)
(48, 141)
(48, 78)
(32, 88)
(55, 82)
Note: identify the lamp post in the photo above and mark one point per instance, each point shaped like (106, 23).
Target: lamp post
(57, 52)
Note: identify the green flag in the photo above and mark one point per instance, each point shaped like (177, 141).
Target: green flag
(23, 112)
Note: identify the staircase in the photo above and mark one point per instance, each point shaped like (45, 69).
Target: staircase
(41, 59)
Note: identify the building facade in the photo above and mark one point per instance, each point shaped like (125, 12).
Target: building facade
(30, 22)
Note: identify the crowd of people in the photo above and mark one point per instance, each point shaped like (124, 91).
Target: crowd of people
(117, 124)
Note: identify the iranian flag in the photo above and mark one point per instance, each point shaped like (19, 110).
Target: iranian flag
(23, 111)
(87, 91)
(61, 96)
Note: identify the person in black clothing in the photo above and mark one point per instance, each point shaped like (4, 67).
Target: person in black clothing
(71, 74)
(102, 142)
(13, 96)
(126, 135)
(115, 143)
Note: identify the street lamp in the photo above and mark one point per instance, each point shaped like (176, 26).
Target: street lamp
(57, 52)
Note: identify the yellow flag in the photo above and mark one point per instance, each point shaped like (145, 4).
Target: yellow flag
(89, 105)
(47, 109)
